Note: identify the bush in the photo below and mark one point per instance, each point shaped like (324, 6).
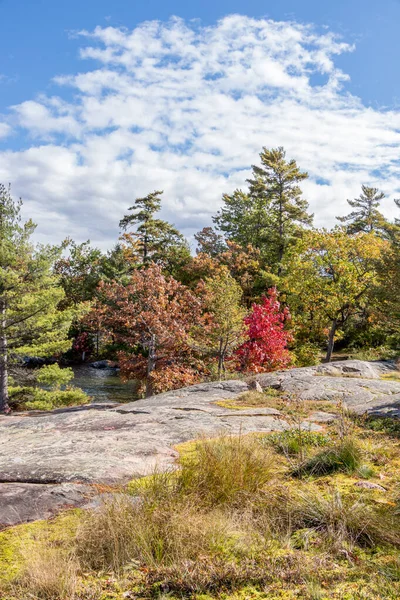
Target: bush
(48, 400)
(54, 377)
(307, 355)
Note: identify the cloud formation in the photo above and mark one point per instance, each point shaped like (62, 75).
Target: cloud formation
(186, 108)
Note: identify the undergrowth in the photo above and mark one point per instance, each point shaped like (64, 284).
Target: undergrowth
(234, 521)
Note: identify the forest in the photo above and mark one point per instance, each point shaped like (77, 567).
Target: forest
(262, 290)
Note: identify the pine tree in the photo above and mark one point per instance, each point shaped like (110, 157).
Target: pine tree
(244, 218)
(366, 217)
(30, 321)
(276, 182)
(154, 236)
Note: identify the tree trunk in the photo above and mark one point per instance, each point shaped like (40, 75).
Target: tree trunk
(151, 363)
(4, 408)
(220, 359)
(331, 341)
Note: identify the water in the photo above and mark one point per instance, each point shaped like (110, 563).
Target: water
(104, 385)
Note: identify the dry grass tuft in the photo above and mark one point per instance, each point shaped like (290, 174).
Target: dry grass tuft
(49, 573)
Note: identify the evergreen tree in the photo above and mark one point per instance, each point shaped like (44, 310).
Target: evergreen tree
(276, 182)
(154, 236)
(244, 218)
(270, 216)
(30, 321)
(366, 217)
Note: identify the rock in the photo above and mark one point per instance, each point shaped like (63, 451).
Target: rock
(110, 445)
(255, 385)
(32, 362)
(104, 364)
(359, 394)
(22, 502)
(368, 485)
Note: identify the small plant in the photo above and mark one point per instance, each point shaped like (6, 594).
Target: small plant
(291, 441)
(54, 377)
(345, 456)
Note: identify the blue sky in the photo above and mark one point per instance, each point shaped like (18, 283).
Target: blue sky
(52, 132)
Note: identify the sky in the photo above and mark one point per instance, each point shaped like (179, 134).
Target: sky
(104, 101)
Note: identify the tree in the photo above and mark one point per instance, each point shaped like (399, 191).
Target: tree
(265, 348)
(154, 237)
(272, 214)
(366, 218)
(244, 219)
(30, 321)
(151, 319)
(80, 272)
(209, 242)
(223, 302)
(278, 181)
(330, 278)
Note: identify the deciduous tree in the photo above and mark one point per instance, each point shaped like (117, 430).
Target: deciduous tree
(265, 348)
(331, 276)
(151, 319)
(223, 302)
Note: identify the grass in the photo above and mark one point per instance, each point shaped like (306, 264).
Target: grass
(272, 398)
(232, 522)
(392, 376)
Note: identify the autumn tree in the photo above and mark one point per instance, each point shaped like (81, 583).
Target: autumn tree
(209, 242)
(266, 337)
(366, 217)
(223, 302)
(151, 318)
(30, 293)
(155, 238)
(331, 277)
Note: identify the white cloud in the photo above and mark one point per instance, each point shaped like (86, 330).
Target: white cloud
(184, 108)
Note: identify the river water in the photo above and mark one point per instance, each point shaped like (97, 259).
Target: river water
(104, 385)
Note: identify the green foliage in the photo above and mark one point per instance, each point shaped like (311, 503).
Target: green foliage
(223, 302)
(307, 354)
(155, 239)
(30, 319)
(366, 217)
(271, 215)
(54, 376)
(293, 441)
(345, 456)
(49, 400)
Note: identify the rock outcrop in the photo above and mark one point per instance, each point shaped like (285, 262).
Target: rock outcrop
(110, 444)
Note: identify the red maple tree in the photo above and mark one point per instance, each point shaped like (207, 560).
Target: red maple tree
(266, 346)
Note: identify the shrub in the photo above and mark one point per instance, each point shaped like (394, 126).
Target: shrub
(48, 400)
(54, 377)
(307, 355)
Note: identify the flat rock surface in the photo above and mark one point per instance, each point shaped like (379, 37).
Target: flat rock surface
(112, 444)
